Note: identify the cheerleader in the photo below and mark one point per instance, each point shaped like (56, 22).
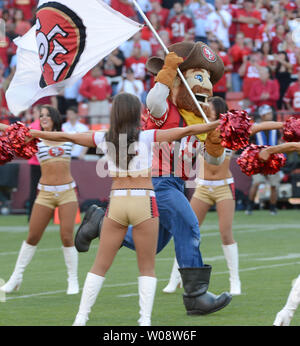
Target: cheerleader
(215, 186)
(132, 197)
(56, 190)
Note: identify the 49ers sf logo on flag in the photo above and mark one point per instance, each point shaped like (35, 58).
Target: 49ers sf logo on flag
(68, 39)
(60, 36)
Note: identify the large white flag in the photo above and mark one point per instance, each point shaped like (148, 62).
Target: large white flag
(69, 38)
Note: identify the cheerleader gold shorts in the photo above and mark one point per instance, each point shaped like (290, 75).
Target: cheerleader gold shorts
(214, 191)
(54, 196)
(131, 207)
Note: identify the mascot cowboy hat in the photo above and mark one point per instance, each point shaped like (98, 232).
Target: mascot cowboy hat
(196, 55)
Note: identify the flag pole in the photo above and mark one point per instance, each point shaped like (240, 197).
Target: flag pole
(167, 51)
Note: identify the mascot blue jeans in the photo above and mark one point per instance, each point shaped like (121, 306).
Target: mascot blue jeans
(177, 219)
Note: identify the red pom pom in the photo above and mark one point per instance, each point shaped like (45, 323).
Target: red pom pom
(18, 134)
(6, 152)
(249, 161)
(235, 129)
(251, 164)
(291, 130)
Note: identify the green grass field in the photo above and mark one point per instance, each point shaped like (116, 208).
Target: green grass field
(269, 249)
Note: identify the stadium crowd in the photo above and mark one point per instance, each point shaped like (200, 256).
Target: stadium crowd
(257, 41)
(259, 44)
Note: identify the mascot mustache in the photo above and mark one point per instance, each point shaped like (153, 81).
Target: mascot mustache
(185, 101)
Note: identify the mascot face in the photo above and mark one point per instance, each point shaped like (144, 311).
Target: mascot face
(201, 67)
(200, 84)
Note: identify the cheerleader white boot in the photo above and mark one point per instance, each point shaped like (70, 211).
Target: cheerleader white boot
(147, 288)
(232, 258)
(175, 279)
(91, 289)
(284, 317)
(71, 260)
(25, 256)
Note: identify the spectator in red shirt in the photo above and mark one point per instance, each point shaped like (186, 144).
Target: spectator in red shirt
(249, 71)
(232, 9)
(278, 40)
(249, 44)
(278, 12)
(265, 90)
(125, 7)
(289, 5)
(164, 33)
(180, 24)
(3, 104)
(27, 6)
(137, 63)
(294, 59)
(266, 30)
(266, 51)
(248, 19)
(237, 53)
(220, 88)
(292, 50)
(292, 95)
(5, 15)
(161, 12)
(113, 67)
(4, 49)
(21, 25)
(291, 18)
(97, 90)
(263, 7)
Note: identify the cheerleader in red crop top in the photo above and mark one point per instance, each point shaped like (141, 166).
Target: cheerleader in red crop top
(128, 155)
(56, 188)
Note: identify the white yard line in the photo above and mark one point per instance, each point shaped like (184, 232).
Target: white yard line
(279, 258)
(127, 295)
(40, 250)
(21, 229)
(203, 228)
(125, 284)
(236, 229)
(264, 267)
(207, 259)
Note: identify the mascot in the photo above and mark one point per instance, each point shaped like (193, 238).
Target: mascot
(169, 105)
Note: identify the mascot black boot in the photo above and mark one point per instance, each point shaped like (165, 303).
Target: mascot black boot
(89, 228)
(196, 299)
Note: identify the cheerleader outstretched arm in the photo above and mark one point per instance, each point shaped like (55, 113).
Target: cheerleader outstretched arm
(83, 138)
(86, 138)
(280, 148)
(266, 126)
